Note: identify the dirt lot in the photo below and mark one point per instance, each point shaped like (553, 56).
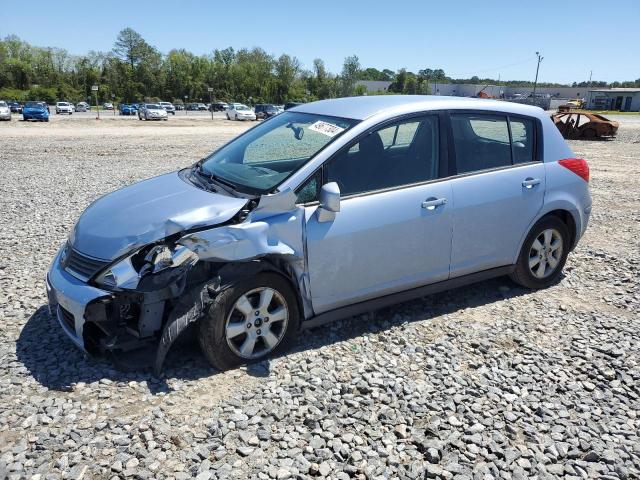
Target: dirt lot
(488, 381)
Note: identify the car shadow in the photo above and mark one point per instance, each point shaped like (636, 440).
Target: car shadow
(54, 362)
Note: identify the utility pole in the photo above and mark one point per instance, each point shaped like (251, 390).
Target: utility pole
(210, 89)
(94, 88)
(535, 83)
(590, 74)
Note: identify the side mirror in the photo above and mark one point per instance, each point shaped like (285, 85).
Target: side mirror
(329, 202)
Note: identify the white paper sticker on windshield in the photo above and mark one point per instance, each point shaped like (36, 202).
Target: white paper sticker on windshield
(328, 129)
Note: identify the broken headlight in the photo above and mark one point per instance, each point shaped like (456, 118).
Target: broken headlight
(160, 263)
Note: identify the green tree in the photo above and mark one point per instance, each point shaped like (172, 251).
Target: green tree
(350, 72)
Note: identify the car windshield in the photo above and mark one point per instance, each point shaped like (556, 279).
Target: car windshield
(264, 156)
(3, 104)
(63, 104)
(270, 108)
(242, 107)
(151, 106)
(33, 104)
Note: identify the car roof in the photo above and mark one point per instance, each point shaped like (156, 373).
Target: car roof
(360, 108)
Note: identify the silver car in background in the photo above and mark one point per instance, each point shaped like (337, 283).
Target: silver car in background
(152, 111)
(64, 107)
(238, 111)
(5, 111)
(325, 211)
(168, 106)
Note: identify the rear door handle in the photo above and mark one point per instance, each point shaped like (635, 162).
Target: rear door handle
(432, 202)
(530, 182)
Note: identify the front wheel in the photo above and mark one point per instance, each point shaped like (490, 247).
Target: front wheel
(252, 319)
(543, 254)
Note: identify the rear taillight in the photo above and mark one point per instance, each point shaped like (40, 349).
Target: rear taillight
(578, 166)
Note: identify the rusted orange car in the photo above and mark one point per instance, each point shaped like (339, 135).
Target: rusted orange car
(583, 125)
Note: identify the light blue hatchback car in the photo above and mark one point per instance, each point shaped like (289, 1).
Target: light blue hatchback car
(328, 210)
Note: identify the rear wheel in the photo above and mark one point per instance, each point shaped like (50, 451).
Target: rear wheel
(543, 254)
(249, 321)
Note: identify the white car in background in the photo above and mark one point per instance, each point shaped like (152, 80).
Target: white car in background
(152, 111)
(238, 111)
(82, 107)
(63, 107)
(168, 106)
(5, 111)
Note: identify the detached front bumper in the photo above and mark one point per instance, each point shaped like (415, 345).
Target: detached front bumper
(68, 300)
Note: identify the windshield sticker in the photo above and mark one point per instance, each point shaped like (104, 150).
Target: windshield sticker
(328, 129)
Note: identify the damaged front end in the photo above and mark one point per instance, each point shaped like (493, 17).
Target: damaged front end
(152, 295)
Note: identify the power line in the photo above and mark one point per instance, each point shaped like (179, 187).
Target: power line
(521, 62)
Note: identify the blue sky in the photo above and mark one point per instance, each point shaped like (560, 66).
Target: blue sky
(464, 38)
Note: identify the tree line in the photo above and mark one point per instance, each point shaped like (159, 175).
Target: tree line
(136, 71)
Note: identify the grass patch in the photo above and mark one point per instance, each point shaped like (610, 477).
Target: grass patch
(612, 112)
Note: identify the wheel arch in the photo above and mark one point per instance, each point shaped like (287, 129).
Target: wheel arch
(566, 213)
(234, 271)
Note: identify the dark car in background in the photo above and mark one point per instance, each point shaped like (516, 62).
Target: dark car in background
(218, 107)
(265, 110)
(35, 111)
(289, 105)
(15, 106)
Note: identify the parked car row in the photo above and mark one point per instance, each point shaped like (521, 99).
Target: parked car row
(145, 111)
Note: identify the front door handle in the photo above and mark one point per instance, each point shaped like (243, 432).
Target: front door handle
(432, 202)
(530, 182)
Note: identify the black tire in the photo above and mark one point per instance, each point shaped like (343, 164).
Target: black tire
(523, 274)
(211, 328)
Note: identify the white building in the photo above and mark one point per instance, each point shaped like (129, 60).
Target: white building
(623, 99)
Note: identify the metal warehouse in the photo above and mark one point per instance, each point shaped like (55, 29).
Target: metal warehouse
(622, 99)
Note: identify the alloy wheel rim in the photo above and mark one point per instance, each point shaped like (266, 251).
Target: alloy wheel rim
(256, 323)
(545, 253)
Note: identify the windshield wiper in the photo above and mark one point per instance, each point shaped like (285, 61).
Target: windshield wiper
(214, 178)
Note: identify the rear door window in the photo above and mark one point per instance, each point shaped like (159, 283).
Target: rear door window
(487, 141)
(523, 139)
(481, 141)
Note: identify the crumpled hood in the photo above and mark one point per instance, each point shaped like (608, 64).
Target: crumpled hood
(148, 211)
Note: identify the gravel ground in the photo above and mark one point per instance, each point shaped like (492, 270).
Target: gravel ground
(484, 382)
